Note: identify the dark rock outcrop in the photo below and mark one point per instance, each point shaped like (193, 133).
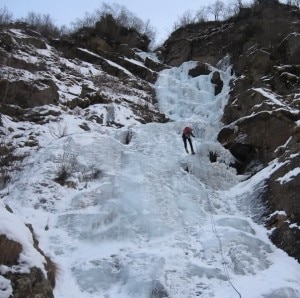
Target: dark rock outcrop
(28, 94)
(200, 69)
(290, 48)
(217, 81)
(109, 41)
(31, 284)
(276, 127)
(261, 119)
(262, 115)
(109, 30)
(263, 26)
(96, 74)
(30, 83)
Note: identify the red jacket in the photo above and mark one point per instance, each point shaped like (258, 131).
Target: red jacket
(187, 132)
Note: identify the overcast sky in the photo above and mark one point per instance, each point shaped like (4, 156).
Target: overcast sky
(161, 13)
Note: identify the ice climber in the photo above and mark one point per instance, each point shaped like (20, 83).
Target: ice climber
(186, 135)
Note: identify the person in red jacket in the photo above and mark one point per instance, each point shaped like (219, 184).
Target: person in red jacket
(186, 136)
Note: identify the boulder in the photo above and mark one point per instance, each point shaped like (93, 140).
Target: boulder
(282, 194)
(255, 64)
(27, 94)
(31, 284)
(10, 251)
(257, 137)
(289, 48)
(109, 29)
(200, 69)
(138, 70)
(217, 81)
(178, 51)
(286, 79)
(155, 66)
(288, 239)
(284, 186)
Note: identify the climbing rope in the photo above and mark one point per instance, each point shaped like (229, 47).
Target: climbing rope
(224, 263)
(214, 229)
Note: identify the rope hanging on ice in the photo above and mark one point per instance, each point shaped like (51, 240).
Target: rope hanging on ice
(214, 229)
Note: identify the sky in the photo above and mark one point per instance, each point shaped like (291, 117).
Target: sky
(161, 13)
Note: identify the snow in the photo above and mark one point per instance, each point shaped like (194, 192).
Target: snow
(5, 287)
(289, 176)
(16, 74)
(151, 56)
(109, 62)
(294, 226)
(278, 103)
(14, 229)
(278, 213)
(88, 68)
(135, 62)
(44, 52)
(119, 67)
(18, 33)
(269, 95)
(155, 220)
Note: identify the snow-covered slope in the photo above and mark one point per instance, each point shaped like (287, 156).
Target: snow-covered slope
(138, 217)
(261, 118)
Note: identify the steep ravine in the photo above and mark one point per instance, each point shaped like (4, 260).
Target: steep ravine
(66, 103)
(261, 119)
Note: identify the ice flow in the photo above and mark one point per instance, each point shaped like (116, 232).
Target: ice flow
(161, 223)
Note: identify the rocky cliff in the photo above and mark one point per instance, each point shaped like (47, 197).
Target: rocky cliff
(261, 119)
(100, 74)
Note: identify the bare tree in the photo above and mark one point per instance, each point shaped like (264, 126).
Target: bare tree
(43, 23)
(185, 19)
(201, 15)
(293, 2)
(232, 9)
(64, 30)
(262, 2)
(5, 16)
(149, 30)
(235, 7)
(239, 3)
(122, 15)
(127, 19)
(89, 20)
(216, 9)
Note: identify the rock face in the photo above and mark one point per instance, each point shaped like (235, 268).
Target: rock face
(108, 29)
(263, 115)
(217, 81)
(37, 93)
(100, 74)
(113, 42)
(104, 68)
(32, 284)
(40, 80)
(24, 285)
(211, 41)
(261, 119)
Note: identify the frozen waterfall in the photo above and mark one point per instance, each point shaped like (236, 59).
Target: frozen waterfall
(159, 223)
